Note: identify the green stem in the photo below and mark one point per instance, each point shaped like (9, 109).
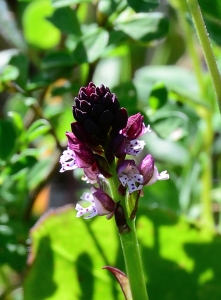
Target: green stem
(207, 215)
(133, 263)
(206, 46)
(207, 145)
(182, 9)
(130, 247)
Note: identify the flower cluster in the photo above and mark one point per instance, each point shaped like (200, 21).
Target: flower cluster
(102, 135)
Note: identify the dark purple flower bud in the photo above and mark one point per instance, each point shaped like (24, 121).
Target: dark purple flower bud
(98, 111)
(146, 168)
(135, 127)
(84, 156)
(82, 135)
(104, 203)
(120, 118)
(118, 146)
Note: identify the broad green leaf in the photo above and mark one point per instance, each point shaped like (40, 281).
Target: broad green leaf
(143, 27)
(127, 95)
(37, 129)
(175, 257)
(111, 78)
(21, 62)
(38, 31)
(17, 121)
(214, 27)
(164, 150)
(65, 19)
(57, 59)
(143, 5)
(9, 73)
(163, 194)
(169, 124)
(67, 257)
(41, 170)
(211, 8)
(61, 3)
(107, 7)
(91, 46)
(175, 78)
(158, 96)
(7, 138)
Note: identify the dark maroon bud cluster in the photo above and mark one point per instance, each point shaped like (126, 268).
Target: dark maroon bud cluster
(98, 114)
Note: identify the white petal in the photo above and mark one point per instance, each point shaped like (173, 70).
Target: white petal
(134, 182)
(87, 212)
(134, 147)
(68, 161)
(123, 179)
(87, 197)
(163, 176)
(158, 176)
(146, 129)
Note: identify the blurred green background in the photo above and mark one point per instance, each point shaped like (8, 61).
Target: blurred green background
(148, 54)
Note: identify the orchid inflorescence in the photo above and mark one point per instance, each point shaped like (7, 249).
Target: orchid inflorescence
(101, 138)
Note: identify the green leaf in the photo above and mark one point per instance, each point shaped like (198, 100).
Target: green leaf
(37, 129)
(17, 122)
(61, 3)
(37, 30)
(165, 150)
(7, 138)
(57, 60)
(175, 78)
(91, 46)
(107, 7)
(9, 73)
(21, 62)
(158, 96)
(168, 123)
(127, 95)
(67, 255)
(143, 27)
(175, 252)
(143, 5)
(41, 170)
(62, 240)
(212, 9)
(65, 19)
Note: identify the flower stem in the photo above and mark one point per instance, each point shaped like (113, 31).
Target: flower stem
(130, 247)
(189, 41)
(206, 46)
(133, 263)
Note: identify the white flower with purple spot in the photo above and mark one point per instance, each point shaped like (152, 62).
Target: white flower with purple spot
(87, 212)
(68, 161)
(130, 176)
(100, 204)
(134, 147)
